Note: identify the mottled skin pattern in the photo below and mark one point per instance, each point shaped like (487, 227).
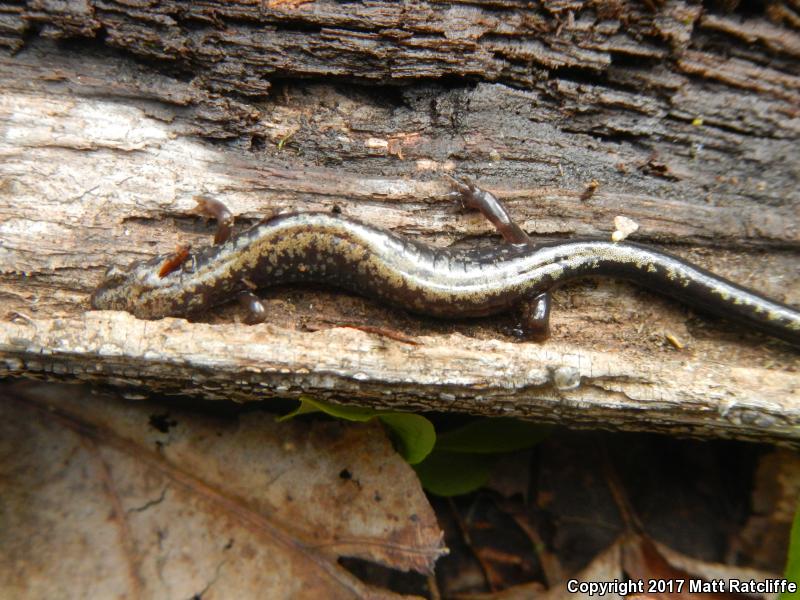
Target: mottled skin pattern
(331, 249)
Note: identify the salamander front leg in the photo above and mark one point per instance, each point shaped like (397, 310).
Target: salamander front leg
(534, 319)
(471, 196)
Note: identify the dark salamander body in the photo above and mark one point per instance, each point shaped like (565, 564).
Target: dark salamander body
(331, 249)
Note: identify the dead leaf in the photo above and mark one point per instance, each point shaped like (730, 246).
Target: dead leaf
(641, 565)
(764, 537)
(720, 572)
(604, 568)
(642, 561)
(108, 498)
(645, 560)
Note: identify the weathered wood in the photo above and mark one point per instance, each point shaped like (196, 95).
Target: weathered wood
(102, 158)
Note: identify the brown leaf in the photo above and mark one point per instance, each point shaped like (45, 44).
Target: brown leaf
(764, 537)
(641, 566)
(643, 560)
(109, 498)
(604, 568)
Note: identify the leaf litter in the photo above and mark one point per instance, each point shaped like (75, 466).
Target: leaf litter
(104, 497)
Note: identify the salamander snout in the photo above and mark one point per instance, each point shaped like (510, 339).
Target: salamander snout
(112, 292)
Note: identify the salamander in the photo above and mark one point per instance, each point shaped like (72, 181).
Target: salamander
(332, 249)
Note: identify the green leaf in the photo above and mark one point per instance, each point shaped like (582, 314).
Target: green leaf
(463, 458)
(302, 408)
(414, 435)
(792, 572)
(348, 413)
(454, 473)
(492, 436)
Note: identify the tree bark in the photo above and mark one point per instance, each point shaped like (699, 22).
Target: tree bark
(682, 117)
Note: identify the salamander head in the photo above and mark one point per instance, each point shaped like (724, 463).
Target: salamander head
(128, 288)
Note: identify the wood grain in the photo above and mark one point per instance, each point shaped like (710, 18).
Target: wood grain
(106, 139)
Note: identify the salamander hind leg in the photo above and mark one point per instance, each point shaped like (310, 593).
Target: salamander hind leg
(534, 319)
(214, 209)
(471, 196)
(256, 312)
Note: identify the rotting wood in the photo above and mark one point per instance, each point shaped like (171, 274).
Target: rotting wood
(102, 158)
